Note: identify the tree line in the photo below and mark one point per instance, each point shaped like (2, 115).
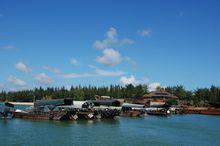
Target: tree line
(199, 96)
(77, 93)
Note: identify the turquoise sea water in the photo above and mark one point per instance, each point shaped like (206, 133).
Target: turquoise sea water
(150, 130)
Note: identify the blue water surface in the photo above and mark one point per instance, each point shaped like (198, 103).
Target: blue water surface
(150, 130)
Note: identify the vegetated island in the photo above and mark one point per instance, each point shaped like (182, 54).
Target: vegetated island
(133, 101)
(201, 97)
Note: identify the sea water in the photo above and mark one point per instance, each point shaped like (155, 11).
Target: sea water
(149, 130)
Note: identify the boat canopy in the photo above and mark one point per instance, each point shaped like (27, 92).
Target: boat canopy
(53, 102)
(9, 104)
(110, 102)
(132, 105)
(82, 104)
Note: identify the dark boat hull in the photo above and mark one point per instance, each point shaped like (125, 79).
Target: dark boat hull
(41, 115)
(132, 114)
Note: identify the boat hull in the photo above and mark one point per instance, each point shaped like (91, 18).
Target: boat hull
(41, 115)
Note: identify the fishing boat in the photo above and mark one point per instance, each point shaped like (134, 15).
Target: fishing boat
(6, 111)
(41, 115)
(132, 110)
(45, 110)
(64, 109)
(159, 112)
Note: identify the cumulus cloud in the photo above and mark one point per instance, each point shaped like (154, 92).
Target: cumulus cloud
(73, 61)
(132, 80)
(111, 39)
(16, 81)
(153, 86)
(144, 33)
(101, 44)
(128, 80)
(52, 69)
(110, 57)
(42, 78)
(109, 73)
(22, 67)
(111, 33)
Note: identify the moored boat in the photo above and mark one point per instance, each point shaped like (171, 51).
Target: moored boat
(6, 111)
(64, 109)
(159, 112)
(40, 115)
(132, 110)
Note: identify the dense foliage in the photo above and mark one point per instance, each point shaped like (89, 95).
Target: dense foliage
(198, 97)
(77, 93)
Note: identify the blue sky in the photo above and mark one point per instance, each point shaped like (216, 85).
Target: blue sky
(63, 43)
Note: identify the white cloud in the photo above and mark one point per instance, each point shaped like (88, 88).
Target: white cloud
(126, 41)
(42, 78)
(97, 72)
(53, 69)
(111, 40)
(153, 86)
(110, 57)
(101, 44)
(109, 73)
(128, 80)
(76, 75)
(144, 33)
(73, 61)
(132, 80)
(16, 81)
(22, 67)
(111, 33)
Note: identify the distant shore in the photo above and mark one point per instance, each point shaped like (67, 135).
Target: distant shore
(22, 103)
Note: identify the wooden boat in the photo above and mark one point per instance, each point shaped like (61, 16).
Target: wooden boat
(40, 115)
(85, 115)
(132, 113)
(159, 112)
(109, 113)
(47, 110)
(132, 110)
(64, 109)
